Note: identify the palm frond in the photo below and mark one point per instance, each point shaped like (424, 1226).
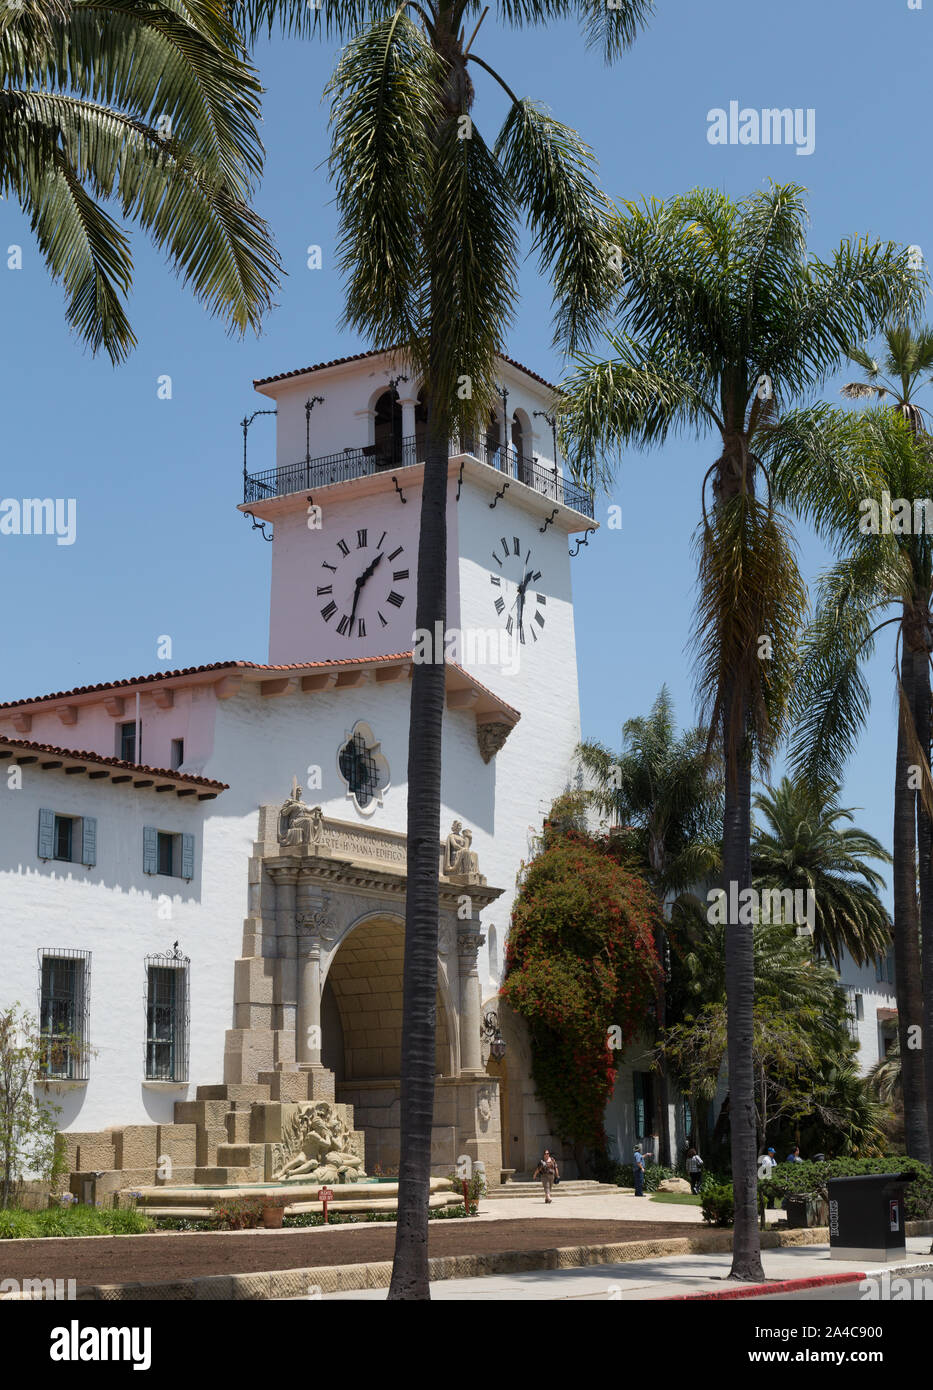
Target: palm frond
(549, 171)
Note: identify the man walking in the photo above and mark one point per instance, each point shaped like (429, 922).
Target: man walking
(638, 1167)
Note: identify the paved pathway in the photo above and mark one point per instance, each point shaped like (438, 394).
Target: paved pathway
(624, 1206)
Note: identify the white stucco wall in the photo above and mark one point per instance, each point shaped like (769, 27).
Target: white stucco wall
(113, 910)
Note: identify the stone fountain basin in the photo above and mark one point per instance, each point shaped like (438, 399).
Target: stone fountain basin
(298, 1196)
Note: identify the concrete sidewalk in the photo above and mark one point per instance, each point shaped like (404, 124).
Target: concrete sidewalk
(671, 1277)
(622, 1205)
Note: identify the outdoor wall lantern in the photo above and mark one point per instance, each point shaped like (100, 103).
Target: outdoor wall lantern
(490, 1033)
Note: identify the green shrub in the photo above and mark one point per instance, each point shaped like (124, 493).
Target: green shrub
(803, 1179)
(17, 1224)
(718, 1204)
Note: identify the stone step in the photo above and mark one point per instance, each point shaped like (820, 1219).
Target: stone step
(219, 1177)
(568, 1187)
(206, 1114)
(236, 1094)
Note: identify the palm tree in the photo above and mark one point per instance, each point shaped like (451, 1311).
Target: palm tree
(839, 466)
(429, 217)
(722, 318)
(909, 355)
(155, 108)
(793, 987)
(667, 789)
(805, 849)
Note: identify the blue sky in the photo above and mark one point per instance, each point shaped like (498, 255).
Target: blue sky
(160, 546)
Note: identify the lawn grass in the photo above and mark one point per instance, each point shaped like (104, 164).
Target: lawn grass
(18, 1224)
(680, 1199)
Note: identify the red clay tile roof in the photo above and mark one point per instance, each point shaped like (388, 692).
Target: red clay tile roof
(166, 774)
(193, 671)
(130, 681)
(378, 352)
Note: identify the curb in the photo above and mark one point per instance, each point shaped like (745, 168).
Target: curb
(793, 1285)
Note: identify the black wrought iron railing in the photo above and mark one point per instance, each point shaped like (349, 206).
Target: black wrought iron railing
(359, 463)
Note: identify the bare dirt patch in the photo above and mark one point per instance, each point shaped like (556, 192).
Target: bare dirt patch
(184, 1255)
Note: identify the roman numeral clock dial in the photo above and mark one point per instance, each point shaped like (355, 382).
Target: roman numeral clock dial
(364, 579)
(514, 581)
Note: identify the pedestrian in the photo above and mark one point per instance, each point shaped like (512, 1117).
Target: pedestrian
(549, 1173)
(638, 1168)
(767, 1160)
(694, 1170)
(794, 1155)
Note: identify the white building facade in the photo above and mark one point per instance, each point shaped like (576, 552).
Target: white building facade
(156, 905)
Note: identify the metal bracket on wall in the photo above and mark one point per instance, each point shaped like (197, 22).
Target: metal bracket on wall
(258, 526)
(505, 487)
(590, 531)
(548, 520)
(460, 479)
(398, 489)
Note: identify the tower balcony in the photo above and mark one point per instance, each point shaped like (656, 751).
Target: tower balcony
(312, 473)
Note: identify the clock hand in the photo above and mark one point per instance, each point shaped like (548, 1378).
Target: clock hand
(361, 581)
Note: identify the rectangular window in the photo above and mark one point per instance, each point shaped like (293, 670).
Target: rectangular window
(69, 839)
(166, 1018)
(178, 752)
(64, 838)
(126, 748)
(644, 1121)
(859, 1007)
(64, 978)
(166, 853)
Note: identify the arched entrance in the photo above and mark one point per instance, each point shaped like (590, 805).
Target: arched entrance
(361, 1025)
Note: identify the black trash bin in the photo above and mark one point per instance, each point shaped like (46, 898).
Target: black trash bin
(866, 1217)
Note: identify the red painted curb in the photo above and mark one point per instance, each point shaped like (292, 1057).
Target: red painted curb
(775, 1286)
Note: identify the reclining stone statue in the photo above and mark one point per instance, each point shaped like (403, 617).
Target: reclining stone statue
(317, 1148)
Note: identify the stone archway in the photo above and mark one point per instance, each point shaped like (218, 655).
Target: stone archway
(362, 1034)
(318, 992)
(365, 981)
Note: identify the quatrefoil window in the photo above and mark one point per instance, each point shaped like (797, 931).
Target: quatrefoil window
(363, 768)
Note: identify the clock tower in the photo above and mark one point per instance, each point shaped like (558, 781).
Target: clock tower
(344, 503)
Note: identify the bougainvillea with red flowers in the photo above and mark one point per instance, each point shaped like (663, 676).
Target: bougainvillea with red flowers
(580, 961)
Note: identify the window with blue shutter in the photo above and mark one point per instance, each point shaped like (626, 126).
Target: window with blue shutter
(150, 849)
(89, 841)
(46, 834)
(187, 856)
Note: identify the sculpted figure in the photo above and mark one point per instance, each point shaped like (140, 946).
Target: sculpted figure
(469, 861)
(460, 859)
(455, 845)
(300, 824)
(323, 1154)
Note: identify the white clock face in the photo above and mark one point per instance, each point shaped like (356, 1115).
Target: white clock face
(513, 581)
(365, 578)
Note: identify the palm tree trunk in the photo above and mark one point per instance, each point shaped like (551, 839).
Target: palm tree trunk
(740, 999)
(419, 982)
(661, 1109)
(906, 920)
(925, 850)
